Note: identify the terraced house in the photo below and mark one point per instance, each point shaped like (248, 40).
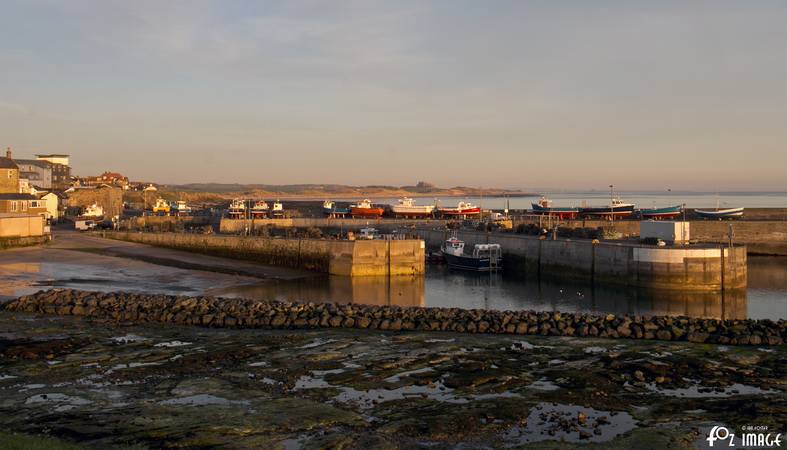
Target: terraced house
(27, 204)
(9, 174)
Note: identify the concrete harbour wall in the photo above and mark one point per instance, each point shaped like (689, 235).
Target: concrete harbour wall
(703, 269)
(235, 226)
(347, 258)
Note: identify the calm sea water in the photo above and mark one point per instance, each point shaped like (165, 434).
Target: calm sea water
(766, 296)
(641, 199)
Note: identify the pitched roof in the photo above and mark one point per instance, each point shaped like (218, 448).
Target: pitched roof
(7, 163)
(14, 196)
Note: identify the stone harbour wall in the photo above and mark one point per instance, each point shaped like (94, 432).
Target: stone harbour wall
(220, 312)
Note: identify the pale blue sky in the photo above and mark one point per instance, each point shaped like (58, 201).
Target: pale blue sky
(572, 94)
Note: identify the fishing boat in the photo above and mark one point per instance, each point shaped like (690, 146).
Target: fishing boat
(162, 207)
(278, 209)
(182, 208)
(544, 207)
(463, 209)
(259, 210)
(720, 214)
(237, 209)
(369, 233)
(668, 212)
(364, 208)
(484, 258)
(616, 208)
(407, 208)
(93, 211)
(330, 209)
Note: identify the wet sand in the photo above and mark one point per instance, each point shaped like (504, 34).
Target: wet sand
(81, 261)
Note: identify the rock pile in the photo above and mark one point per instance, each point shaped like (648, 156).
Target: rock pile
(221, 312)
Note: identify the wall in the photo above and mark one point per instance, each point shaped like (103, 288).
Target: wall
(21, 226)
(9, 181)
(707, 268)
(109, 198)
(347, 258)
(235, 226)
(760, 236)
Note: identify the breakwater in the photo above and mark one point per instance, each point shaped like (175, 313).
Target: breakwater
(694, 268)
(244, 313)
(335, 257)
(235, 226)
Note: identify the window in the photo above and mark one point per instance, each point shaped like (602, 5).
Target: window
(13, 206)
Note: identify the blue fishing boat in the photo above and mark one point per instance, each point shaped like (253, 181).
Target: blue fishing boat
(668, 212)
(485, 257)
(330, 209)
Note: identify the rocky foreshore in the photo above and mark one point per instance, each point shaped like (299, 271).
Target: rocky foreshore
(244, 313)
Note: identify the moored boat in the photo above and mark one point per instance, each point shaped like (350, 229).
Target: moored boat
(485, 257)
(544, 207)
(407, 208)
(259, 210)
(330, 209)
(237, 209)
(182, 208)
(727, 213)
(463, 209)
(616, 208)
(94, 211)
(364, 208)
(668, 212)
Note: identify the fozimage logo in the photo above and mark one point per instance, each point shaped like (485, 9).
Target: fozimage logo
(751, 436)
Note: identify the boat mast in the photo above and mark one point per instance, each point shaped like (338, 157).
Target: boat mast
(612, 204)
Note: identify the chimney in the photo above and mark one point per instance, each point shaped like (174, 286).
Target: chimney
(8, 153)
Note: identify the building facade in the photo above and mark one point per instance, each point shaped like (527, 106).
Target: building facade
(9, 174)
(16, 203)
(109, 198)
(37, 172)
(61, 170)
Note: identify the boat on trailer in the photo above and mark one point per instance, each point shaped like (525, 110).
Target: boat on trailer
(544, 207)
(407, 208)
(260, 210)
(461, 210)
(728, 213)
(330, 209)
(616, 208)
(668, 212)
(237, 209)
(484, 258)
(364, 208)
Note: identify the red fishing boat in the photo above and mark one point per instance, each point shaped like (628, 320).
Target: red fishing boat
(463, 209)
(364, 208)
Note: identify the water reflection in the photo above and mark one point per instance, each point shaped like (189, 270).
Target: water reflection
(444, 288)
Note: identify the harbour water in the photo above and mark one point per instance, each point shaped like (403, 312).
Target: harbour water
(766, 296)
(641, 199)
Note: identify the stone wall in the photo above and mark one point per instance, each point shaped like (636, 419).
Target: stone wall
(218, 312)
(6, 243)
(336, 257)
(690, 268)
(235, 226)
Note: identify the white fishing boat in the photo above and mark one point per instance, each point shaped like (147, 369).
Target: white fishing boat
(259, 210)
(407, 208)
(182, 208)
(278, 209)
(93, 211)
(237, 209)
(484, 258)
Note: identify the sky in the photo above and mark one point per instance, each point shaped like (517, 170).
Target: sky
(518, 94)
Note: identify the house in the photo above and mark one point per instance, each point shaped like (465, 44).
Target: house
(9, 174)
(61, 171)
(27, 204)
(110, 178)
(52, 205)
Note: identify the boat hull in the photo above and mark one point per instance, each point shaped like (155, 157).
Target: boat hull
(453, 212)
(335, 211)
(468, 263)
(661, 213)
(607, 211)
(367, 212)
(720, 214)
(412, 213)
(561, 213)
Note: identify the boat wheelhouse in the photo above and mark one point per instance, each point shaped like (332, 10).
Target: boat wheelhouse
(407, 208)
(484, 258)
(161, 207)
(277, 211)
(182, 208)
(93, 211)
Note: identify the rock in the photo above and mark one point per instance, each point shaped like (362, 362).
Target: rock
(664, 335)
(639, 376)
